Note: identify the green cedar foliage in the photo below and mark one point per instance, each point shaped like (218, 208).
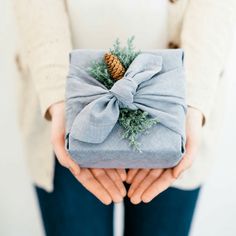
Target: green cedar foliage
(134, 122)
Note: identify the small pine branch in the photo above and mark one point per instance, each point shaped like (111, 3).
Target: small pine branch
(98, 70)
(135, 122)
(125, 54)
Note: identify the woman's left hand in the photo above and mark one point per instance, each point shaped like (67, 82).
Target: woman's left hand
(148, 183)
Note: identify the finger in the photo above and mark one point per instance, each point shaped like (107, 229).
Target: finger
(87, 179)
(108, 184)
(135, 198)
(116, 178)
(122, 174)
(184, 164)
(63, 157)
(131, 174)
(73, 167)
(138, 178)
(187, 160)
(158, 186)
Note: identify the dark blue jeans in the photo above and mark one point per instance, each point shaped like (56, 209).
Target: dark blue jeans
(70, 210)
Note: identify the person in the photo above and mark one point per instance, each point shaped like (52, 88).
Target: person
(79, 201)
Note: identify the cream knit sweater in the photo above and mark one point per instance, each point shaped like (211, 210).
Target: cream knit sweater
(203, 28)
(96, 24)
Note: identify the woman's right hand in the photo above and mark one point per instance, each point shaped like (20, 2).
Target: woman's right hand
(106, 184)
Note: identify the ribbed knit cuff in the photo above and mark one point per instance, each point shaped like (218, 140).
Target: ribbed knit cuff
(53, 90)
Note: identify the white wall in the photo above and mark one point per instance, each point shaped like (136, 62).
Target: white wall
(18, 210)
(216, 213)
(19, 214)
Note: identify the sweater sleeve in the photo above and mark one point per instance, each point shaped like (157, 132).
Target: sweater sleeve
(45, 34)
(206, 38)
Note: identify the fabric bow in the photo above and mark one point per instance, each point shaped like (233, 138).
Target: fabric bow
(142, 87)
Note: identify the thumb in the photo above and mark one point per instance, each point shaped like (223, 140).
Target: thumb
(63, 156)
(183, 165)
(186, 161)
(73, 167)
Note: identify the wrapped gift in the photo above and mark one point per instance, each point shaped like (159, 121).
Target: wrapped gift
(154, 83)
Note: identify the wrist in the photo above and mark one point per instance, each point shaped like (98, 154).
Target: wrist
(55, 109)
(196, 114)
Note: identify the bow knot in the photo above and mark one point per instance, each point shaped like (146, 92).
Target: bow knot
(124, 91)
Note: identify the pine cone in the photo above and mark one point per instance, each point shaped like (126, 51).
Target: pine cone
(115, 67)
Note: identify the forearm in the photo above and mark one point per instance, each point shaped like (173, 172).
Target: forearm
(45, 34)
(206, 38)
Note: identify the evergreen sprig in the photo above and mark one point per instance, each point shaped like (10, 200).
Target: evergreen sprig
(134, 122)
(98, 70)
(125, 54)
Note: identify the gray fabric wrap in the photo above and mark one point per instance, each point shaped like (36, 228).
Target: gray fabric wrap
(154, 82)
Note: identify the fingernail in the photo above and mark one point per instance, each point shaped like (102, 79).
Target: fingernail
(130, 192)
(128, 179)
(146, 200)
(178, 175)
(118, 199)
(107, 200)
(75, 172)
(123, 192)
(135, 200)
(71, 170)
(123, 177)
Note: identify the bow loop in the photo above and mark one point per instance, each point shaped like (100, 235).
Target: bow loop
(140, 70)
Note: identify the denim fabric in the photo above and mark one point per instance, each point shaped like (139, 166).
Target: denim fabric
(71, 210)
(154, 82)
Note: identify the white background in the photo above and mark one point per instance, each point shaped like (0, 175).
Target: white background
(19, 215)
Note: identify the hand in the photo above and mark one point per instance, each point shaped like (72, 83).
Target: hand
(106, 184)
(148, 183)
